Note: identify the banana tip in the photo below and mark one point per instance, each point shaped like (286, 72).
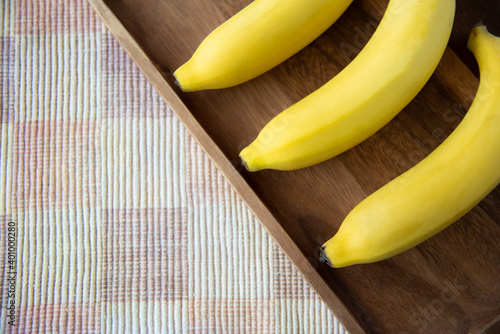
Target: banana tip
(178, 73)
(479, 24)
(247, 159)
(324, 258)
(477, 31)
(178, 84)
(244, 164)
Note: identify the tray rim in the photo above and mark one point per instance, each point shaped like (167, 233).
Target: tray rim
(235, 179)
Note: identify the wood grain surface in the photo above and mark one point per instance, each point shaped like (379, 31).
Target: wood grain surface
(448, 284)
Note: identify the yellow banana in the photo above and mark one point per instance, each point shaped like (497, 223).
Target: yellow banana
(386, 75)
(259, 37)
(441, 188)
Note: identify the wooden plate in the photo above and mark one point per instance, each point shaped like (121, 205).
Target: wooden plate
(448, 284)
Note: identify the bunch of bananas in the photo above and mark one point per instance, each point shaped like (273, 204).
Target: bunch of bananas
(385, 76)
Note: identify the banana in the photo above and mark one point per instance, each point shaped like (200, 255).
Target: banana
(440, 189)
(385, 76)
(256, 39)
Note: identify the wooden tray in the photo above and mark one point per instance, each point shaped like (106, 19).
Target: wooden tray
(448, 284)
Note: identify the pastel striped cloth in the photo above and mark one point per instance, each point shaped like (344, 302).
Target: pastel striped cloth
(113, 219)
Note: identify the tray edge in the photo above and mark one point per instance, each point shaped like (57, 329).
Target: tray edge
(265, 217)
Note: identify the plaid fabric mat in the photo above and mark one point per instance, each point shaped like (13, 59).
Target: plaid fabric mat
(113, 219)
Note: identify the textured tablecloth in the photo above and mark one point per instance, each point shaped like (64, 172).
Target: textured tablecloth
(122, 223)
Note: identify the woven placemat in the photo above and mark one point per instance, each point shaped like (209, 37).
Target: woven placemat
(113, 219)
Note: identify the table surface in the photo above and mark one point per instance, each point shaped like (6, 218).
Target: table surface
(123, 224)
